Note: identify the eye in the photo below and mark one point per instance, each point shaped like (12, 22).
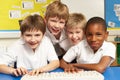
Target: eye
(27, 35)
(78, 32)
(62, 22)
(89, 34)
(37, 35)
(53, 20)
(98, 34)
(69, 32)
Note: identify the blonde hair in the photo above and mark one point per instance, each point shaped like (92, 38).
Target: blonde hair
(76, 19)
(57, 9)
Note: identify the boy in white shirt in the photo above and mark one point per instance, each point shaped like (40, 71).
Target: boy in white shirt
(75, 28)
(32, 52)
(93, 53)
(56, 17)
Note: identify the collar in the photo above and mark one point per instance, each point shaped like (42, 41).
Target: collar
(52, 37)
(87, 45)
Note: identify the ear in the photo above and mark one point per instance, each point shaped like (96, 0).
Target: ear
(106, 35)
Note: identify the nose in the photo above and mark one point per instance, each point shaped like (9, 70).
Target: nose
(32, 38)
(74, 36)
(93, 38)
(57, 24)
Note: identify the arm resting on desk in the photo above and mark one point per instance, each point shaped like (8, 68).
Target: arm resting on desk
(51, 66)
(10, 70)
(68, 67)
(100, 67)
(5, 69)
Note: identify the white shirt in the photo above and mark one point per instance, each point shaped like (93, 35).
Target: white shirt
(63, 41)
(85, 55)
(25, 57)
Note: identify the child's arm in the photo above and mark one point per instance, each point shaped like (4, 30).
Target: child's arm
(100, 67)
(5, 69)
(51, 66)
(10, 70)
(68, 67)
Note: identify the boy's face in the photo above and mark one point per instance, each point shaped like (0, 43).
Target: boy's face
(55, 25)
(33, 38)
(75, 35)
(95, 35)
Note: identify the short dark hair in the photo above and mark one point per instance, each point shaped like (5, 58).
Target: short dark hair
(96, 20)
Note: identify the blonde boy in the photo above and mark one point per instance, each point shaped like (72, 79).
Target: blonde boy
(75, 28)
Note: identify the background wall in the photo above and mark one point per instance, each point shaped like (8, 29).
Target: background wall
(92, 8)
(89, 8)
(13, 11)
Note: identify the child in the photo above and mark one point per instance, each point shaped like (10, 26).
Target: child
(32, 51)
(75, 28)
(56, 17)
(93, 53)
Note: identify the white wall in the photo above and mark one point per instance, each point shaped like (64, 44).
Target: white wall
(89, 8)
(7, 38)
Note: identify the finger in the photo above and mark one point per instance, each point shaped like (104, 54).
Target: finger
(73, 70)
(67, 70)
(80, 70)
(33, 72)
(19, 71)
(24, 71)
(15, 73)
(30, 72)
(37, 72)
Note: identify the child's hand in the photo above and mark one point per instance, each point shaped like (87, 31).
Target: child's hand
(19, 71)
(71, 68)
(37, 71)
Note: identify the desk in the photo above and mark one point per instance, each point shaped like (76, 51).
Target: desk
(111, 73)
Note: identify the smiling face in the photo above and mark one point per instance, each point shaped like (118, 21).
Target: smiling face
(32, 38)
(55, 25)
(95, 35)
(75, 35)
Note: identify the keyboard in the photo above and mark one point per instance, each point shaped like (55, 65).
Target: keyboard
(82, 75)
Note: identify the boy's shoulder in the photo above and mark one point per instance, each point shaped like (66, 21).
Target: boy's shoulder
(17, 44)
(46, 38)
(108, 44)
(81, 44)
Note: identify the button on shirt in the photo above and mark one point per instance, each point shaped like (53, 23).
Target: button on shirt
(25, 57)
(85, 55)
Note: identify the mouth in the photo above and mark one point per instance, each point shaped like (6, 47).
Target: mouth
(32, 44)
(94, 45)
(75, 41)
(55, 30)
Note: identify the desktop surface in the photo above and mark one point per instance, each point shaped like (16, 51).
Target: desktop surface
(111, 73)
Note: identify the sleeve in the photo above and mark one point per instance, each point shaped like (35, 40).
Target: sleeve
(8, 58)
(50, 51)
(71, 54)
(110, 50)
